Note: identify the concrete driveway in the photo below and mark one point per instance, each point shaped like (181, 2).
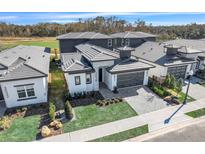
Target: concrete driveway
(195, 90)
(140, 98)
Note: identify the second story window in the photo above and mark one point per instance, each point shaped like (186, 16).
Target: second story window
(109, 42)
(77, 80)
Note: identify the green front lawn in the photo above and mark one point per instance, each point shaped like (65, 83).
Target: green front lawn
(196, 113)
(92, 115)
(125, 135)
(22, 130)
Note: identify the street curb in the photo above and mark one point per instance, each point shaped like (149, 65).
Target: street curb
(168, 129)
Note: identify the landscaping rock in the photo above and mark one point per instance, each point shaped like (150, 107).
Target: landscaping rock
(56, 124)
(45, 131)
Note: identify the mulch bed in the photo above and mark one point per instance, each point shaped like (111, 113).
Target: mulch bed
(86, 101)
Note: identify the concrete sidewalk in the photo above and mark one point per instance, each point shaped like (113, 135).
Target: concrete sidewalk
(155, 121)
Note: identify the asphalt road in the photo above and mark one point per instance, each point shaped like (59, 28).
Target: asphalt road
(192, 133)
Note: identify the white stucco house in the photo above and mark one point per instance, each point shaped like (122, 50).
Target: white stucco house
(24, 75)
(89, 67)
(176, 57)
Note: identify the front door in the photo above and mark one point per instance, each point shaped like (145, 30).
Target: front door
(100, 74)
(1, 96)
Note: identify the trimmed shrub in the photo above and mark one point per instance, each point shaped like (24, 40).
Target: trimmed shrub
(52, 110)
(66, 96)
(84, 94)
(120, 99)
(5, 123)
(116, 100)
(68, 110)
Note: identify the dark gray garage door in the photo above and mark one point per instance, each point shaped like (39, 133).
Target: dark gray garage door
(130, 79)
(178, 72)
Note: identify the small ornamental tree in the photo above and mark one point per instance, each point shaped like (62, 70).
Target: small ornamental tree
(172, 82)
(52, 110)
(68, 110)
(167, 81)
(179, 85)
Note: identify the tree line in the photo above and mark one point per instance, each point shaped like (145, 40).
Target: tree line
(103, 25)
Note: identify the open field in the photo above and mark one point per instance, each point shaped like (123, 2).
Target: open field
(9, 42)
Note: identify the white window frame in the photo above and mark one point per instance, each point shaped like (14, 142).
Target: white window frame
(109, 42)
(127, 42)
(25, 88)
(90, 78)
(122, 42)
(76, 80)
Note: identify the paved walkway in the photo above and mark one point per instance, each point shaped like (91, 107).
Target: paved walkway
(155, 120)
(195, 90)
(140, 98)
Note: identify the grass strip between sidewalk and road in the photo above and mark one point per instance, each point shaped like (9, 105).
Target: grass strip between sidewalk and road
(121, 136)
(196, 113)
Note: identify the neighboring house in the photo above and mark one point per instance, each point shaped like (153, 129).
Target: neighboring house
(176, 57)
(67, 42)
(90, 65)
(24, 75)
(131, 39)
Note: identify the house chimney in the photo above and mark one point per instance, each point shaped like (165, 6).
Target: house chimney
(171, 50)
(125, 52)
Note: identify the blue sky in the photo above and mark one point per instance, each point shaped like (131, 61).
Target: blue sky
(159, 18)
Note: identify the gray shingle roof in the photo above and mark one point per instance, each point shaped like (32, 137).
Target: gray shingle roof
(155, 52)
(74, 62)
(132, 35)
(25, 62)
(191, 46)
(95, 53)
(129, 65)
(83, 35)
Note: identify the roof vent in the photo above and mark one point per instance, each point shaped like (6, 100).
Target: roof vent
(29, 57)
(43, 56)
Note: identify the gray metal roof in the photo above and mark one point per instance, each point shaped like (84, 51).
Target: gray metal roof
(132, 35)
(191, 46)
(155, 52)
(83, 35)
(74, 62)
(96, 53)
(25, 62)
(129, 65)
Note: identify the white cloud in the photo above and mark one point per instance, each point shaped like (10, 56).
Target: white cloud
(62, 21)
(7, 17)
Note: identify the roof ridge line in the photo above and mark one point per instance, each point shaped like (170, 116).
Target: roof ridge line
(83, 33)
